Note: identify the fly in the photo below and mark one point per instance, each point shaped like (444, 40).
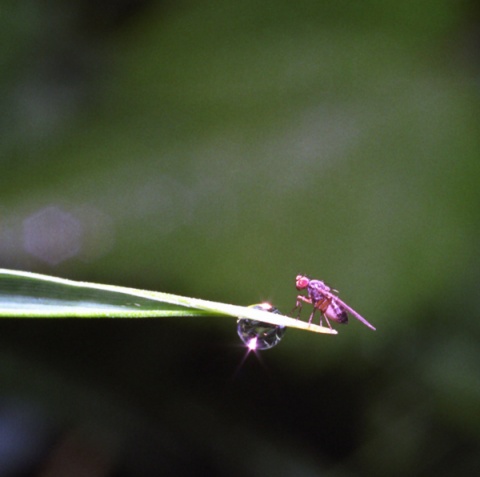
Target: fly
(324, 299)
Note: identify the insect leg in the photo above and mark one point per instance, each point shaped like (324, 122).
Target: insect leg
(299, 307)
(300, 300)
(326, 319)
(322, 306)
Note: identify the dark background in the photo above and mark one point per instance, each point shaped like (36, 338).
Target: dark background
(216, 149)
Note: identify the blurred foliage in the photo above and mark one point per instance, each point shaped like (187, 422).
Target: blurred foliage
(216, 149)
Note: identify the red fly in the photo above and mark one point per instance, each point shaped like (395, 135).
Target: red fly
(324, 299)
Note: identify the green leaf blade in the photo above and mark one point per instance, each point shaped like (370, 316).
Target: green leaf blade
(32, 295)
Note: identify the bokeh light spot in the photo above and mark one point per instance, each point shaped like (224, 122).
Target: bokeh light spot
(52, 235)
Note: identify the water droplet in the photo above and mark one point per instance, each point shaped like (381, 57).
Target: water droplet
(258, 335)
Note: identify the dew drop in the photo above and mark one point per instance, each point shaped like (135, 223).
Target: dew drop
(258, 335)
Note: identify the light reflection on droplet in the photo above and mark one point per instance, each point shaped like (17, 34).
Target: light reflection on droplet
(252, 344)
(258, 335)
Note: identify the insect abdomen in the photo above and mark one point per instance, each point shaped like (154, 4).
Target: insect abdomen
(337, 313)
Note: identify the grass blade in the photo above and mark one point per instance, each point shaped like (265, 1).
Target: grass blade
(32, 295)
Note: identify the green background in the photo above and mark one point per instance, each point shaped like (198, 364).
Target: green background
(217, 149)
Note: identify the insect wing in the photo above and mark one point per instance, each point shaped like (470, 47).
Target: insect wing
(355, 314)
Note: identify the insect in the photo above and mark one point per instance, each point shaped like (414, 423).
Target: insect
(324, 299)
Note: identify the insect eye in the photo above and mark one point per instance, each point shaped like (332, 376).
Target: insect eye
(302, 282)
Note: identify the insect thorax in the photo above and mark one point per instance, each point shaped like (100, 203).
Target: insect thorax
(316, 290)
